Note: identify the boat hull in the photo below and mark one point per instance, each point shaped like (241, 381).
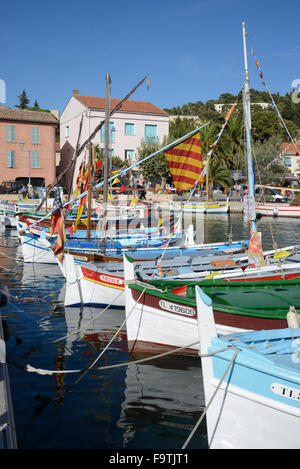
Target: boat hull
(278, 210)
(201, 207)
(159, 325)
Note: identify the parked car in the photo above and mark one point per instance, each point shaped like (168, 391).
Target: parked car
(271, 195)
(10, 187)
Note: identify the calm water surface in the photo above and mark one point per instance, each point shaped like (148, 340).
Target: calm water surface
(152, 405)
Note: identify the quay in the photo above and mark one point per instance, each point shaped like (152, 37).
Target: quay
(8, 439)
(235, 206)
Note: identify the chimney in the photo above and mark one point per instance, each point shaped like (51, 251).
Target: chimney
(75, 91)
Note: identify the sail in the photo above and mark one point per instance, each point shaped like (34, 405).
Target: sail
(185, 162)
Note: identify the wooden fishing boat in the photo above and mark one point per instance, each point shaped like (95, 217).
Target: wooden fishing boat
(201, 207)
(251, 383)
(90, 288)
(162, 314)
(134, 222)
(278, 210)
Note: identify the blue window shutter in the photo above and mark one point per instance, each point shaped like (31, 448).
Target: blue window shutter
(150, 133)
(129, 128)
(129, 155)
(13, 159)
(10, 159)
(10, 133)
(35, 134)
(35, 162)
(102, 133)
(111, 134)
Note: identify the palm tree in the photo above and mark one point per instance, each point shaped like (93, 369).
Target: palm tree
(219, 174)
(229, 149)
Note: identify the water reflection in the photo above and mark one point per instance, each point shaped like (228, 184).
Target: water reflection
(147, 405)
(162, 402)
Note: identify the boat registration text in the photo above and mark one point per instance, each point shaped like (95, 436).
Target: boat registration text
(174, 308)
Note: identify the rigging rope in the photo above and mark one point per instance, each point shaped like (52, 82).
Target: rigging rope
(212, 398)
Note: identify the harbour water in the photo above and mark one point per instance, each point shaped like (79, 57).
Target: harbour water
(135, 406)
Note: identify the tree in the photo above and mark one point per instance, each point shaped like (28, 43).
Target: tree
(23, 100)
(180, 127)
(36, 104)
(266, 124)
(219, 174)
(269, 167)
(156, 168)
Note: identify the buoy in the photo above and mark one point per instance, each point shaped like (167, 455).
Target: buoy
(293, 318)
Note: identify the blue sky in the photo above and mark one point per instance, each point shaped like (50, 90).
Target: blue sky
(192, 49)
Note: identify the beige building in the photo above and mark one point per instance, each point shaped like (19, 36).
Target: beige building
(290, 158)
(133, 123)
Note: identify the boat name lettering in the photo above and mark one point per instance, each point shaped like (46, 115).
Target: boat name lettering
(114, 280)
(174, 308)
(285, 391)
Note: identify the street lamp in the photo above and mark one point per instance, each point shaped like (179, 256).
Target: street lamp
(22, 143)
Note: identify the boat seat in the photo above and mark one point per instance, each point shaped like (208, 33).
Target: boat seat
(219, 263)
(178, 261)
(199, 260)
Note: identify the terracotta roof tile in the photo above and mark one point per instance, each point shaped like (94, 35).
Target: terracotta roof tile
(142, 107)
(27, 116)
(289, 147)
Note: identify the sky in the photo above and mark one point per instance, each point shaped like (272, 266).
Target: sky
(191, 49)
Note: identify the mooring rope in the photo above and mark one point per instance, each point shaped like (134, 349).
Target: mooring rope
(32, 369)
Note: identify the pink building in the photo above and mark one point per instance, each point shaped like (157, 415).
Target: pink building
(27, 146)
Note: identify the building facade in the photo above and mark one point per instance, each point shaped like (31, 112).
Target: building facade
(290, 157)
(219, 106)
(133, 123)
(27, 146)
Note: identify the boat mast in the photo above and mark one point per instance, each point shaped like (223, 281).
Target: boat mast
(90, 191)
(247, 120)
(106, 160)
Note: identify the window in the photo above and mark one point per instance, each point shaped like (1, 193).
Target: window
(111, 135)
(35, 161)
(67, 131)
(35, 135)
(129, 129)
(287, 161)
(129, 155)
(10, 133)
(150, 133)
(10, 159)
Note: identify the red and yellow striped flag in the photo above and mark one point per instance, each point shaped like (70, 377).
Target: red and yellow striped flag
(185, 162)
(82, 201)
(59, 227)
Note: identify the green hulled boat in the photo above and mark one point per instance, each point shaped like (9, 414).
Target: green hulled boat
(164, 312)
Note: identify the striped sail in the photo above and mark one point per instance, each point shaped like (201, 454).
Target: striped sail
(185, 162)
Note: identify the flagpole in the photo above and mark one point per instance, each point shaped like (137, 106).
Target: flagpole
(122, 172)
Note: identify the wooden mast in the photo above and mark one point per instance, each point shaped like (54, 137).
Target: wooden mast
(250, 203)
(206, 174)
(106, 160)
(74, 159)
(90, 191)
